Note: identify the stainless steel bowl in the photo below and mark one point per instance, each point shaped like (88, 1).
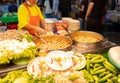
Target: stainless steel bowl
(87, 44)
(54, 42)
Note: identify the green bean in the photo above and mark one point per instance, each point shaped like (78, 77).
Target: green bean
(118, 80)
(100, 71)
(95, 58)
(88, 57)
(103, 74)
(109, 81)
(119, 75)
(110, 65)
(91, 78)
(97, 65)
(88, 76)
(91, 65)
(88, 65)
(114, 79)
(96, 82)
(110, 69)
(91, 71)
(95, 77)
(105, 78)
(91, 55)
(98, 61)
(98, 68)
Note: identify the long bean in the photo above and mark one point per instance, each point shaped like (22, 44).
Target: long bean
(110, 69)
(105, 78)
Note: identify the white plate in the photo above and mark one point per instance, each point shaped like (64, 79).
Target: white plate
(58, 60)
(38, 67)
(78, 60)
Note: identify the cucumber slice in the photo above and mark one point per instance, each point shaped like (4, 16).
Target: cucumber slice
(21, 61)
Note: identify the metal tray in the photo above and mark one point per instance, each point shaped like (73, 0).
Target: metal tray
(9, 67)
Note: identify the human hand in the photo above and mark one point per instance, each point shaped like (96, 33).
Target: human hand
(40, 31)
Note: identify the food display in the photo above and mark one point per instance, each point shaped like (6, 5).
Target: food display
(13, 34)
(53, 42)
(86, 36)
(56, 61)
(97, 69)
(59, 64)
(16, 47)
(19, 76)
(59, 59)
(100, 70)
(12, 49)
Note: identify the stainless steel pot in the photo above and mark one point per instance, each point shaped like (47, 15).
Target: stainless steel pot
(54, 42)
(87, 45)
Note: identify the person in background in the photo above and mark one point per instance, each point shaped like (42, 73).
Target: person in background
(112, 4)
(55, 8)
(48, 8)
(30, 18)
(41, 5)
(94, 15)
(80, 10)
(75, 8)
(12, 7)
(82, 13)
(1, 9)
(65, 7)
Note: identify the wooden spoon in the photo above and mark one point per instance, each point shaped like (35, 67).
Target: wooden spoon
(40, 38)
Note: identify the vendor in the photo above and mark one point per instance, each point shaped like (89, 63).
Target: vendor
(30, 18)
